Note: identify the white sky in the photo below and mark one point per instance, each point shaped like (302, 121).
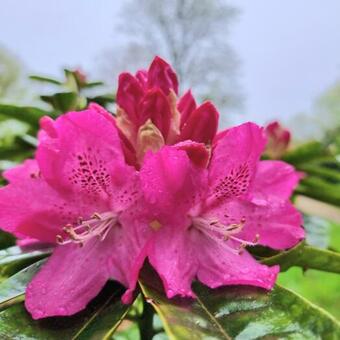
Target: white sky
(290, 50)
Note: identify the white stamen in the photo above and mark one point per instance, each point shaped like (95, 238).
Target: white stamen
(97, 226)
(221, 233)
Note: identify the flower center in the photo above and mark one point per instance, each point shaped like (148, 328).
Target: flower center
(98, 225)
(221, 233)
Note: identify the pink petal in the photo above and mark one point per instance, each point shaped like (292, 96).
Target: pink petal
(218, 266)
(161, 75)
(186, 105)
(277, 225)
(81, 155)
(170, 181)
(28, 169)
(142, 76)
(234, 160)
(30, 207)
(131, 245)
(72, 277)
(102, 111)
(129, 94)
(175, 260)
(274, 180)
(155, 106)
(201, 125)
(197, 152)
(128, 149)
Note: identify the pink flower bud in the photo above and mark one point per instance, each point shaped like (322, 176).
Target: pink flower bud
(155, 106)
(278, 140)
(201, 126)
(161, 75)
(129, 94)
(186, 105)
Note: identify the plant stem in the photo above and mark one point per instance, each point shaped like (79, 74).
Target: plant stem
(145, 322)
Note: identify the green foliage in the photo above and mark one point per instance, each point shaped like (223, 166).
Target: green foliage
(241, 313)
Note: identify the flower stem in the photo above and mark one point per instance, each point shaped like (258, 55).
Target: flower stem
(145, 322)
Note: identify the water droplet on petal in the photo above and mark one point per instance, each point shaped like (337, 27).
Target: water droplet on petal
(62, 310)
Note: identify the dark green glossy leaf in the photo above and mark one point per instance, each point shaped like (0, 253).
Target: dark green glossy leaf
(320, 189)
(13, 289)
(46, 80)
(63, 101)
(30, 115)
(103, 100)
(6, 240)
(306, 256)
(14, 259)
(98, 321)
(242, 313)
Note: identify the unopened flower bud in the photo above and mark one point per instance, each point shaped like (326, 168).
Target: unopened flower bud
(149, 138)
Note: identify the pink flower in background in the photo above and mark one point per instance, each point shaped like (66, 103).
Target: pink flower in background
(278, 140)
(78, 191)
(150, 116)
(202, 219)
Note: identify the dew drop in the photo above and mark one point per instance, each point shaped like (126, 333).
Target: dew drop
(62, 310)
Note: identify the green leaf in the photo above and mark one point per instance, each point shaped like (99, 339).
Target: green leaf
(330, 175)
(93, 84)
(30, 115)
(6, 240)
(305, 152)
(46, 80)
(14, 259)
(98, 321)
(320, 189)
(13, 289)
(306, 256)
(103, 100)
(241, 313)
(63, 101)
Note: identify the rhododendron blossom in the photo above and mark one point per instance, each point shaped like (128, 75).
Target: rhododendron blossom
(76, 192)
(278, 140)
(154, 182)
(150, 116)
(203, 219)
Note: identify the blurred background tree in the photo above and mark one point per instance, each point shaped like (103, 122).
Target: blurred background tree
(192, 35)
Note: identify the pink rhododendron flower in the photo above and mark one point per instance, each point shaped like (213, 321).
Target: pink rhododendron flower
(78, 191)
(202, 219)
(155, 183)
(278, 140)
(150, 116)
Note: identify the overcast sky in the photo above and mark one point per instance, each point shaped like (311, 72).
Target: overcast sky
(290, 50)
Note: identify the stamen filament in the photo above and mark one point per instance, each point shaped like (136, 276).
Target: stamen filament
(222, 233)
(97, 226)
